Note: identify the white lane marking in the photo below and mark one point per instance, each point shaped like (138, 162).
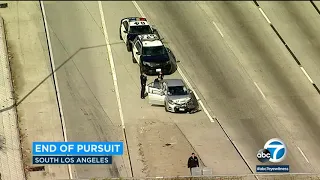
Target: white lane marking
(303, 70)
(181, 73)
(264, 15)
(305, 157)
(200, 102)
(305, 73)
(113, 71)
(264, 97)
(138, 8)
(217, 28)
(56, 81)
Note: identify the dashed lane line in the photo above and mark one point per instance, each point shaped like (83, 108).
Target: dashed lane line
(205, 110)
(305, 157)
(264, 97)
(286, 45)
(215, 24)
(292, 54)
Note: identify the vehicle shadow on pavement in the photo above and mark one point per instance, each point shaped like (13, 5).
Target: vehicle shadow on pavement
(47, 77)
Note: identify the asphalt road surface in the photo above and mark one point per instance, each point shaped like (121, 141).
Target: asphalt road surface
(232, 57)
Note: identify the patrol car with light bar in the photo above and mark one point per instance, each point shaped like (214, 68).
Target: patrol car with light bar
(131, 27)
(152, 56)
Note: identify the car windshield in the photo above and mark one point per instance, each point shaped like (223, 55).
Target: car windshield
(145, 29)
(177, 91)
(153, 51)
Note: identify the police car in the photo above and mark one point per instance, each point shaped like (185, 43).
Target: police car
(152, 56)
(131, 27)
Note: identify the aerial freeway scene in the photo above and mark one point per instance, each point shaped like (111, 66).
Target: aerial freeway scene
(159, 90)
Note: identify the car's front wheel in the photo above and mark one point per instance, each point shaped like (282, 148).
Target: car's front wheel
(133, 59)
(120, 34)
(129, 46)
(166, 107)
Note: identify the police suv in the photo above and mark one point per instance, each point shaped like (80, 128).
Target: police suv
(131, 27)
(152, 56)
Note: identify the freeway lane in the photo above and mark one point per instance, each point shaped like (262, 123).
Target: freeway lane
(90, 109)
(150, 127)
(85, 84)
(225, 69)
(298, 23)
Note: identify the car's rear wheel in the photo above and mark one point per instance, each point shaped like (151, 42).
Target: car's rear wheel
(141, 68)
(133, 59)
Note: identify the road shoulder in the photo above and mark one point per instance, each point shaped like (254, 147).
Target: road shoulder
(37, 109)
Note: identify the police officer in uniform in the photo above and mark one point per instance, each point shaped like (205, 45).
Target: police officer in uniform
(193, 162)
(143, 81)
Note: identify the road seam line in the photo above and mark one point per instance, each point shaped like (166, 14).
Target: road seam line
(237, 148)
(115, 81)
(288, 48)
(264, 97)
(54, 74)
(295, 58)
(217, 28)
(305, 157)
(182, 74)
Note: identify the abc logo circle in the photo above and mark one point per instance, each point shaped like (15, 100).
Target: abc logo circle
(263, 155)
(277, 149)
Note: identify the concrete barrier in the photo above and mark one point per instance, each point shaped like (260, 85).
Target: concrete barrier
(11, 165)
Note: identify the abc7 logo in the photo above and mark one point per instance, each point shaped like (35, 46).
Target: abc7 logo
(274, 151)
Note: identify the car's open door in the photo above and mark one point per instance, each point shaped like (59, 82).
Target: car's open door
(155, 94)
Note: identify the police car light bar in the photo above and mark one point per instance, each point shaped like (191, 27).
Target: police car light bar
(137, 19)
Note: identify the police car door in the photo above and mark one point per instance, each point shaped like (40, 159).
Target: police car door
(137, 50)
(124, 30)
(156, 95)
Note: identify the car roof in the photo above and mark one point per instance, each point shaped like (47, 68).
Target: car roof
(174, 82)
(150, 40)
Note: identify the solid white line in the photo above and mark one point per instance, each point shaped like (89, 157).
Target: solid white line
(264, 97)
(113, 70)
(181, 73)
(264, 15)
(217, 28)
(303, 154)
(305, 73)
(200, 102)
(139, 9)
(56, 81)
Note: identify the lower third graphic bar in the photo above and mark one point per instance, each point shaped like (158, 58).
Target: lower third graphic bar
(72, 159)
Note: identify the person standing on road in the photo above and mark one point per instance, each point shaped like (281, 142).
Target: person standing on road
(193, 162)
(143, 81)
